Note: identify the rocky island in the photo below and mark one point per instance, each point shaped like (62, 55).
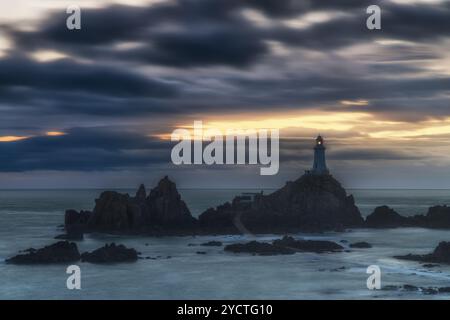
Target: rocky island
(437, 217)
(315, 202)
(311, 203)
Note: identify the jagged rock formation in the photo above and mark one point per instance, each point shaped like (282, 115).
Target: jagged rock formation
(110, 254)
(385, 217)
(440, 255)
(60, 252)
(161, 211)
(311, 203)
(437, 217)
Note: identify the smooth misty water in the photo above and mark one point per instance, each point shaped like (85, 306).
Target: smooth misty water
(30, 219)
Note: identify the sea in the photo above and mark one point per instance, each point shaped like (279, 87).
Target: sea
(32, 218)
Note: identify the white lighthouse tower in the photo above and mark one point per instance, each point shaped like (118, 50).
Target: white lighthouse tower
(320, 165)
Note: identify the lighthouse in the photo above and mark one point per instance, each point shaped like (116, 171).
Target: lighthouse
(320, 165)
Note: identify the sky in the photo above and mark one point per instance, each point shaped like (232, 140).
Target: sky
(92, 108)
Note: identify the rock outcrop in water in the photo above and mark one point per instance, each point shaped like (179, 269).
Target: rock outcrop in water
(437, 217)
(440, 255)
(286, 245)
(111, 253)
(67, 252)
(360, 245)
(385, 217)
(60, 252)
(311, 203)
(317, 246)
(161, 212)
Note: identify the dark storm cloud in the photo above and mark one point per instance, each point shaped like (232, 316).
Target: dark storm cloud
(214, 54)
(87, 149)
(301, 150)
(66, 75)
(194, 33)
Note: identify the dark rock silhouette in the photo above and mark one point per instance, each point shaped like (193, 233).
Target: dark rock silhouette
(317, 246)
(166, 207)
(111, 253)
(161, 212)
(258, 248)
(361, 245)
(60, 252)
(437, 217)
(422, 290)
(212, 244)
(311, 203)
(385, 217)
(286, 245)
(440, 255)
(74, 224)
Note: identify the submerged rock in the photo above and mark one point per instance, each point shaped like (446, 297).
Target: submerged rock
(286, 245)
(212, 244)
(440, 255)
(423, 290)
(259, 248)
(361, 245)
(110, 253)
(317, 246)
(60, 252)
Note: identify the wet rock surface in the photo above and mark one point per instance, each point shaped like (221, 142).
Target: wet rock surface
(422, 290)
(258, 248)
(286, 245)
(317, 246)
(60, 252)
(360, 245)
(437, 217)
(212, 244)
(440, 255)
(110, 253)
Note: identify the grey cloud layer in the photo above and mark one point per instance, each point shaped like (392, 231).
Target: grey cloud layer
(205, 56)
